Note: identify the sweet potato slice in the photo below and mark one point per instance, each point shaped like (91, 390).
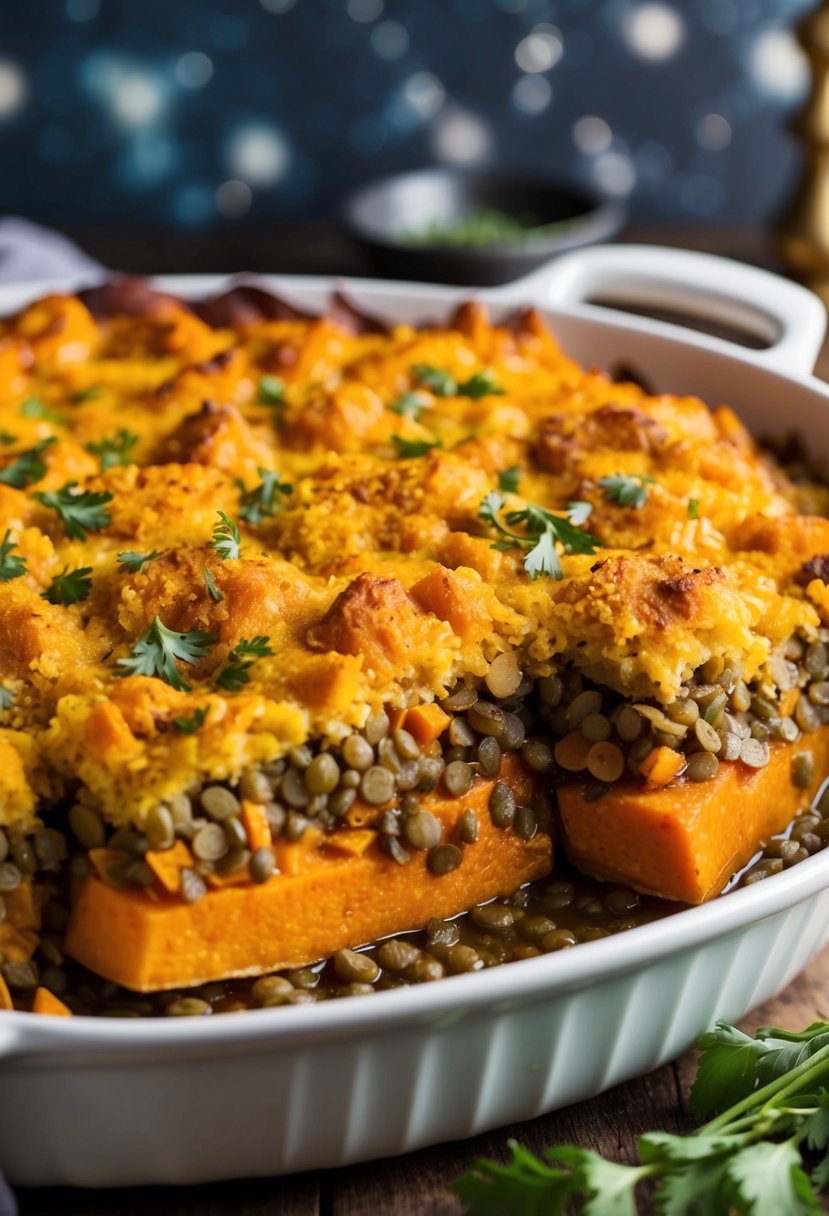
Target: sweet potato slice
(47, 1003)
(683, 841)
(155, 941)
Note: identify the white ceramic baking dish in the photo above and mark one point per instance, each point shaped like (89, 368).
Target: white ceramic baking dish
(101, 1103)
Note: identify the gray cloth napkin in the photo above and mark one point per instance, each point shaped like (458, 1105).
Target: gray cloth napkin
(29, 252)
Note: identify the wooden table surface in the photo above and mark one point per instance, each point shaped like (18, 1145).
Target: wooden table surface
(416, 1185)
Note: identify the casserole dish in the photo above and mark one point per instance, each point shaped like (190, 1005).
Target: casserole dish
(509, 1041)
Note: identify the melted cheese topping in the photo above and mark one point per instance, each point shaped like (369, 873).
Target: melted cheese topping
(376, 582)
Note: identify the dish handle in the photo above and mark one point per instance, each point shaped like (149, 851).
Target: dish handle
(789, 320)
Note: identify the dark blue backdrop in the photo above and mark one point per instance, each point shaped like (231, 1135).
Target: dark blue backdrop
(189, 111)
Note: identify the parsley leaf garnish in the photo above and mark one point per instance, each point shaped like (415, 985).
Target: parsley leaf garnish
(481, 384)
(410, 405)
(28, 466)
(542, 532)
(579, 512)
(187, 726)
(157, 650)
(626, 491)
(33, 407)
(226, 539)
(442, 384)
(70, 586)
(210, 584)
(508, 479)
(11, 564)
(80, 513)
(240, 660)
(438, 382)
(271, 391)
(262, 501)
(6, 698)
(409, 448)
(114, 450)
(693, 508)
(132, 562)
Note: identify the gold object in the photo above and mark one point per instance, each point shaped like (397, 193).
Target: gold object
(802, 238)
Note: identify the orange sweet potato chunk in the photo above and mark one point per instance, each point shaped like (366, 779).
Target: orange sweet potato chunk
(683, 841)
(336, 899)
(46, 1002)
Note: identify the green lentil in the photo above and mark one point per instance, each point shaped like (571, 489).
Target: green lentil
(422, 830)
(706, 736)
(235, 834)
(406, 745)
(210, 842)
(538, 755)
(502, 805)
(358, 753)
(268, 987)
(494, 917)
(702, 766)
(489, 756)
(323, 774)
(486, 718)
(254, 786)
(457, 778)
(396, 954)
(10, 876)
(293, 790)
(444, 859)
(468, 827)
(219, 802)
(376, 728)
(585, 703)
(87, 826)
(504, 676)
(353, 967)
(188, 1007)
(557, 939)
(377, 785)
(754, 753)
(262, 864)
(525, 823)
(460, 960)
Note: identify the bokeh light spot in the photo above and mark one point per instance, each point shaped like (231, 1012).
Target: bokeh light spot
(389, 40)
(778, 65)
(461, 138)
(137, 99)
(13, 88)
(653, 31)
(592, 135)
(82, 10)
(713, 132)
(540, 50)
(364, 10)
(425, 94)
(233, 199)
(532, 95)
(194, 70)
(614, 173)
(258, 154)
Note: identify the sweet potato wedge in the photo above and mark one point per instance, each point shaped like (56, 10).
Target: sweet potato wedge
(683, 841)
(152, 941)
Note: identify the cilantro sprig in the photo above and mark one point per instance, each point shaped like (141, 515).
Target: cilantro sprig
(80, 512)
(442, 384)
(70, 586)
(12, 565)
(210, 583)
(410, 405)
(236, 674)
(114, 450)
(542, 531)
(626, 491)
(188, 726)
(159, 649)
(509, 479)
(28, 466)
(33, 407)
(226, 539)
(264, 500)
(769, 1100)
(271, 391)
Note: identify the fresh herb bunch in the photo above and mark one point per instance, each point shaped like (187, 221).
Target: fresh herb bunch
(264, 500)
(226, 539)
(80, 513)
(240, 660)
(70, 586)
(542, 532)
(28, 466)
(627, 491)
(159, 649)
(769, 1100)
(114, 450)
(11, 564)
(442, 384)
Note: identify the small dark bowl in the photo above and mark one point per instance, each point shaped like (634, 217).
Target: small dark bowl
(378, 215)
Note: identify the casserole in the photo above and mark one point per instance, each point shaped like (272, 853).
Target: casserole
(792, 322)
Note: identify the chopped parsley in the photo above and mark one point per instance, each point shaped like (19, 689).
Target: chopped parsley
(693, 508)
(132, 562)
(188, 726)
(508, 479)
(70, 586)
(240, 660)
(271, 391)
(28, 466)
(263, 501)
(226, 539)
(6, 698)
(33, 407)
(442, 384)
(579, 512)
(410, 405)
(159, 648)
(407, 448)
(11, 565)
(114, 450)
(6, 438)
(626, 491)
(80, 513)
(542, 532)
(88, 394)
(210, 584)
